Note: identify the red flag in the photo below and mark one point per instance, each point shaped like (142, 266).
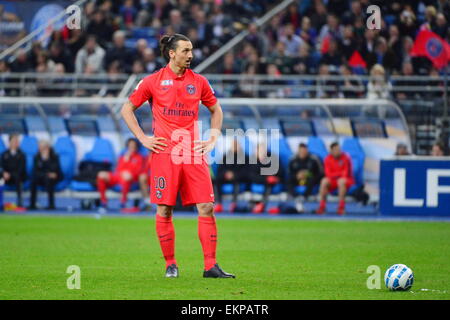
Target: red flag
(325, 44)
(356, 60)
(432, 46)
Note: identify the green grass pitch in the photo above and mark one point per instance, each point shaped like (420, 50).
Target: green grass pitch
(120, 258)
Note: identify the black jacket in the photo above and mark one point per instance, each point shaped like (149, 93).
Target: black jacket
(14, 164)
(239, 170)
(254, 171)
(310, 163)
(42, 167)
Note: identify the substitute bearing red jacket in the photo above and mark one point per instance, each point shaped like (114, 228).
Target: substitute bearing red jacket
(340, 167)
(135, 164)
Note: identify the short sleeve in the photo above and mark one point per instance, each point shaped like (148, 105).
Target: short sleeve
(141, 93)
(208, 97)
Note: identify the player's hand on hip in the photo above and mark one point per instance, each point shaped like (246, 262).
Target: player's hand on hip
(204, 146)
(154, 143)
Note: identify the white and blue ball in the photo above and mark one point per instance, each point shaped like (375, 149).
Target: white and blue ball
(399, 278)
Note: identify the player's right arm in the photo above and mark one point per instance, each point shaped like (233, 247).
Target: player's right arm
(152, 143)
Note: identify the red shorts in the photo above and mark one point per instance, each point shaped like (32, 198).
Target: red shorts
(168, 176)
(334, 183)
(116, 178)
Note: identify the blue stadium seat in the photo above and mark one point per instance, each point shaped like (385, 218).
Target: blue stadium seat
(317, 146)
(65, 148)
(102, 151)
(29, 145)
(353, 148)
(2, 146)
(260, 188)
(228, 188)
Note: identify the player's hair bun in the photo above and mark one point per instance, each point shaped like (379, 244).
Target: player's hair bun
(169, 42)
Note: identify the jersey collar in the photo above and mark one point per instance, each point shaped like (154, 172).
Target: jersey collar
(173, 75)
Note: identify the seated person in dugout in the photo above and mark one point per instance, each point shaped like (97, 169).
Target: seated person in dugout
(232, 170)
(338, 175)
(306, 170)
(129, 167)
(267, 171)
(13, 167)
(46, 173)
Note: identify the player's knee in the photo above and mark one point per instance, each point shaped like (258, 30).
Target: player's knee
(103, 175)
(206, 209)
(164, 211)
(143, 178)
(325, 182)
(342, 182)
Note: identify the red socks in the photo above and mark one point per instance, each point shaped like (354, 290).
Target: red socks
(341, 204)
(166, 237)
(102, 185)
(322, 204)
(207, 233)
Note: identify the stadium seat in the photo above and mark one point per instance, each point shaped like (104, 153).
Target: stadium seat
(2, 146)
(353, 148)
(65, 148)
(102, 151)
(29, 145)
(317, 146)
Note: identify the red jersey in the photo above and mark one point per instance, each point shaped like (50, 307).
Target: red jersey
(336, 168)
(134, 164)
(174, 101)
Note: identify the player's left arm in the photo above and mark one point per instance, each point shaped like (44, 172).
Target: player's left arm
(216, 126)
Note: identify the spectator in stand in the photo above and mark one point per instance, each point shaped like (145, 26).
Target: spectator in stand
(332, 58)
(307, 32)
(441, 27)
(378, 87)
(13, 167)
(129, 167)
(119, 52)
(383, 55)
(46, 173)
(401, 150)
(291, 41)
(338, 175)
(349, 43)
(233, 170)
(100, 27)
(255, 39)
(21, 63)
(325, 86)
(90, 55)
(306, 170)
(256, 175)
(204, 30)
(141, 45)
(58, 54)
(280, 59)
(437, 150)
(128, 13)
(350, 87)
(151, 63)
(407, 71)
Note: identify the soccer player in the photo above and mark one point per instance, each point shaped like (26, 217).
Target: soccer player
(338, 175)
(178, 161)
(129, 167)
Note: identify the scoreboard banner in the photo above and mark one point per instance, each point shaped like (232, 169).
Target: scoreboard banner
(18, 18)
(415, 186)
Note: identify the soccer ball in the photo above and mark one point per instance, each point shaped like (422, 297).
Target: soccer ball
(399, 278)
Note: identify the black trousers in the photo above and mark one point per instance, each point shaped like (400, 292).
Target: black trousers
(48, 184)
(16, 181)
(218, 183)
(311, 182)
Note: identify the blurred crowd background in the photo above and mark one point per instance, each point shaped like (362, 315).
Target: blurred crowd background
(309, 37)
